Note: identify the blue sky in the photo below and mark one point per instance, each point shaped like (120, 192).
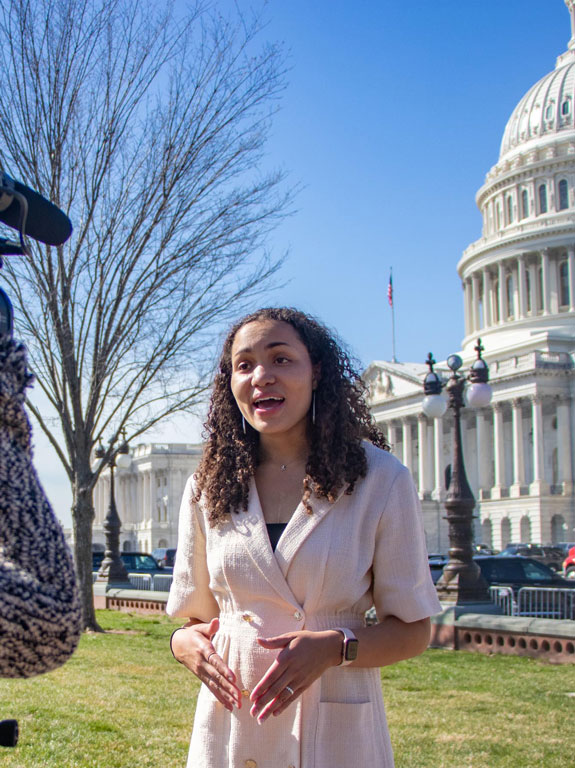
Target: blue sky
(393, 114)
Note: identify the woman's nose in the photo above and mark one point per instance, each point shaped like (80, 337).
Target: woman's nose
(262, 374)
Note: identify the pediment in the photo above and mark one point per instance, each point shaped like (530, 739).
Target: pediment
(385, 381)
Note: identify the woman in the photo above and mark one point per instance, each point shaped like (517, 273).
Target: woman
(294, 525)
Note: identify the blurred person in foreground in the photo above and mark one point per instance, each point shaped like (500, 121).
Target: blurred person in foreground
(297, 521)
(40, 614)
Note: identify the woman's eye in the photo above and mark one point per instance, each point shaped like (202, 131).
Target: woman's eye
(282, 359)
(244, 366)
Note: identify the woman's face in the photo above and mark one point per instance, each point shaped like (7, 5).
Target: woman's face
(272, 377)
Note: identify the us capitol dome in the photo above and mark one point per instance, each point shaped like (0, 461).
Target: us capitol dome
(518, 281)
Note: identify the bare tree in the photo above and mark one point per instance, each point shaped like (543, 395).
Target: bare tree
(147, 127)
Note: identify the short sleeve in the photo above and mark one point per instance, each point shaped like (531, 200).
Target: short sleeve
(402, 583)
(190, 593)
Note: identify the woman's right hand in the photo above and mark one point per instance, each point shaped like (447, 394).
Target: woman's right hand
(192, 647)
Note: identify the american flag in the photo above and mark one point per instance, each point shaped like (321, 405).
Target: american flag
(390, 291)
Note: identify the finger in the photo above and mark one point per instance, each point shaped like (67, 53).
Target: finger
(221, 694)
(275, 690)
(282, 700)
(221, 678)
(213, 627)
(272, 675)
(276, 642)
(220, 666)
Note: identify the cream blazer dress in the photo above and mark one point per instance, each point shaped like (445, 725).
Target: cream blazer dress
(329, 567)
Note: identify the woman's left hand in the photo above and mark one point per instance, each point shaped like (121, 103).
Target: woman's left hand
(304, 656)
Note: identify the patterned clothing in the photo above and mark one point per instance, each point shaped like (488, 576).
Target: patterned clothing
(40, 616)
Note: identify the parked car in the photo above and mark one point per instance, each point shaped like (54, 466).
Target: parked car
(518, 572)
(135, 562)
(436, 565)
(548, 555)
(165, 556)
(564, 546)
(569, 565)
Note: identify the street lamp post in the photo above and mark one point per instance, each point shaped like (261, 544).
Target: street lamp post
(112, 570)
(461, 581)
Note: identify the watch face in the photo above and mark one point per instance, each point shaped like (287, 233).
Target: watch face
(351, 650)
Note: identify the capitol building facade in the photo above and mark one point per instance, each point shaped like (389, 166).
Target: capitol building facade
(519, 296)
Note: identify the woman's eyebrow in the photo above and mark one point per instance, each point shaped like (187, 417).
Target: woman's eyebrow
(270, 345)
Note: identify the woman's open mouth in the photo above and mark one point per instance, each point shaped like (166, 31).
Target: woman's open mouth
(266, 404)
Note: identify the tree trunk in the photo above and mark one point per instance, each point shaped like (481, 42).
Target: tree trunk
(83, 517)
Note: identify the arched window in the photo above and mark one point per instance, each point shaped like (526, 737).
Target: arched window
(487, 532)
(498, 216)
(510, 296)
(563, 195)
(496, 302)
(528, 289)
(565, 107)
(505, 532)
(549, 110)
(542, 199)
(564, 284)
(525, 529)
(558, 529)
(524, 204)
(509, 209)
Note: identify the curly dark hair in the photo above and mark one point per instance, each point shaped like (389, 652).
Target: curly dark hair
(342, 421)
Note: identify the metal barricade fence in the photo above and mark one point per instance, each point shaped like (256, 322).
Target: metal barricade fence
(162, 582)
(503, 597)
(546, 602)
(140, 580)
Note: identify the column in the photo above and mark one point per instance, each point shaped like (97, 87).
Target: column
(538, 485)
(502, 298)
(438, 493)
(487, 313)
(475, 302)
(153, 496)
(571, 265)
(533, 288)
(422, 454)
(393, 437)
(498, 451)
(482, 451)
(564, 446)
(518, 448)
(522, 303)
(467, 307)
(545, 299)
(407, 446)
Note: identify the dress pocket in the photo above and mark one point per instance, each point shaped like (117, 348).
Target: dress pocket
(346, 737)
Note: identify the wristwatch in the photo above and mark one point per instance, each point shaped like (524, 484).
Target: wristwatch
(349, 649)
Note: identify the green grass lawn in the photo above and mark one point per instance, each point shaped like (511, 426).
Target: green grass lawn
(123, 702)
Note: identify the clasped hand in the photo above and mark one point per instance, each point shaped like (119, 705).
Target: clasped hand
(303, 657)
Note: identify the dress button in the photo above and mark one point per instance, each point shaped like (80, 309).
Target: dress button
(251, 764)
(245, 693)
(247, 617)
(298, 615)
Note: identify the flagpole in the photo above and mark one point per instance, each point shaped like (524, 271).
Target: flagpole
(391, 304)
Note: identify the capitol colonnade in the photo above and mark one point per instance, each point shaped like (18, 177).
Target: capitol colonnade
(518, 455)
(148, 495)
(520, 287)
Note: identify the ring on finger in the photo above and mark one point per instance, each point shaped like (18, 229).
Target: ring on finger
(289, 690)
(213, 653)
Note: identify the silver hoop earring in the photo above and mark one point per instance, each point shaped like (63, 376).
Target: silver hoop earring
(244, 424)
(313, 408)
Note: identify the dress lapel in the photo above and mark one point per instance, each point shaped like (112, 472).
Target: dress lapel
(299, 528)
(252, 529)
